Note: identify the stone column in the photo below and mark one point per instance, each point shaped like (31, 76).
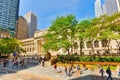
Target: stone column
(100, 44)
(85, 45)
(36, 46)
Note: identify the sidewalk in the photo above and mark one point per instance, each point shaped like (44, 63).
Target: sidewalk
(48, 73)
(21, 75)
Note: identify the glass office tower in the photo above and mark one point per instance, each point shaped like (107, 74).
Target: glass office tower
(112, 6)
(9, 10)
(98, 8)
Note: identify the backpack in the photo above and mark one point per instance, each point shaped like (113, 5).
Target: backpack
(107, 71)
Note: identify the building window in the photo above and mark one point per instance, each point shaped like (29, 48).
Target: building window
(27, 50)
(75, 45)
(89, 45)
(96, 43)
(104, 43)
(30, 49)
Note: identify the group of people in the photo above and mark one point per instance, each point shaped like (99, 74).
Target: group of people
(69, 70)
(23, 62)
(109, 72)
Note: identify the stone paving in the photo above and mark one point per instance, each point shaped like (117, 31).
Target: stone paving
(86, 75)
(21, 75)
(38, 72)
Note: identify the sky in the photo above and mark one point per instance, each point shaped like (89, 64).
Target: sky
(47, 10)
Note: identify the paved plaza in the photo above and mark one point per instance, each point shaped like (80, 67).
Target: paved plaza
(38, 72)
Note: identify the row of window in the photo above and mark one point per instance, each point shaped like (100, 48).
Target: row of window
(29, 49)
(95, 44)
(28, 44)
(88, 44)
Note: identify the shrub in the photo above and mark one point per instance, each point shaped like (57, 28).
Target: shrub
(98, 59)
(117, 59)
(48, 56)
(85, 58)
(66, 58)
(60, 58)
(63, 58)
(53, 61)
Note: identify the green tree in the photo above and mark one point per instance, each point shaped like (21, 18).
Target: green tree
(10, 45)
(72, 30)
(81, 31)
(60, 34)
(108, 29)
(107, 35)
(91, 35)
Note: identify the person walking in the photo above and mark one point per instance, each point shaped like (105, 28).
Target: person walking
(119, 72)
(69, 71)
(65, 69)
(101, 71)
(28, 61)
(4, 63)
(40, 60)
(43, 62)
(55, 67)
(109, 73)
(78, 68)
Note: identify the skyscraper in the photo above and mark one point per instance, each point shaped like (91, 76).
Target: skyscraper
(104, 9)
(98, 8)
(112, 6)
(32, 23)
(22, 29)
(118, 5)
(9, 10)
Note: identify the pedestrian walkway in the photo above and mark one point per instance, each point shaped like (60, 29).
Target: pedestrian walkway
(21, 75)
(47, 72)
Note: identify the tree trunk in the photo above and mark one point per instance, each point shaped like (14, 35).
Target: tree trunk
(71, 49)
(72, 42)
(80, 44)
(118, 47)
(68, 51)
(92, 47)
(108, 46)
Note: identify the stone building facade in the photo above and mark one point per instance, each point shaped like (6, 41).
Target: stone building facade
(34, 46)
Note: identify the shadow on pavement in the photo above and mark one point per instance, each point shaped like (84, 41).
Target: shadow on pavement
(93, 77)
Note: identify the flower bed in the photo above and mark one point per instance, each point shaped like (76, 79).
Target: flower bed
(100, 63)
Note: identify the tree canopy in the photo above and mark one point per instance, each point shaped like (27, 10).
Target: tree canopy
(60, 33)
(66, 30)
(10, 45)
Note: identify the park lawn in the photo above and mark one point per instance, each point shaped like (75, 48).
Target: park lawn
(111, 67)
(62, 64)
(88, 66)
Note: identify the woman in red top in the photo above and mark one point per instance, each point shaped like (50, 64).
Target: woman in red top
(55, 66)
